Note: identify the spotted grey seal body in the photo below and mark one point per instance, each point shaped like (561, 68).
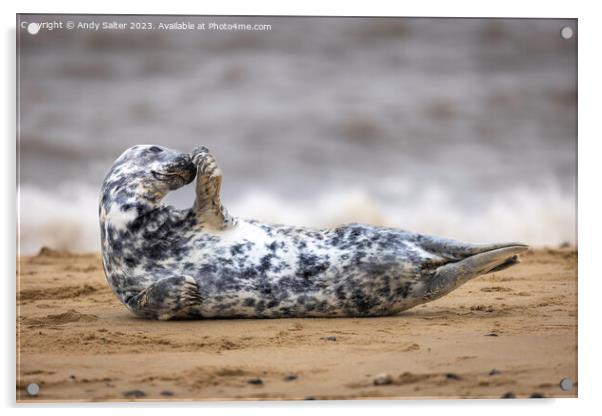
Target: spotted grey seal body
(167, 263)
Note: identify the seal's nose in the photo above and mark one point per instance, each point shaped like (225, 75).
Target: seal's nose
(186, 166)
(190, 169)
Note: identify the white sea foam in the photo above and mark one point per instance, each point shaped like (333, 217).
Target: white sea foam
(546, 217)
(67, 217)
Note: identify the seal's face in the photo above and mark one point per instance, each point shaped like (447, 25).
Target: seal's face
(161, 167)
(139, 180)
(169, 167)
(155, 170)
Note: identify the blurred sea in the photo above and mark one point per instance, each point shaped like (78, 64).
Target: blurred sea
(464, 128)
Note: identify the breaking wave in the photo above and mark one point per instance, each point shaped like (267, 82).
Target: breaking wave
(66, 217)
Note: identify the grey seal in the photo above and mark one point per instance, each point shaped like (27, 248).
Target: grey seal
(165, 263)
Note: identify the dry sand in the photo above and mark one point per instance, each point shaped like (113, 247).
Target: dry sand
(76, 340)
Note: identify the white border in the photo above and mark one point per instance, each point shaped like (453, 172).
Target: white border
(588, 213)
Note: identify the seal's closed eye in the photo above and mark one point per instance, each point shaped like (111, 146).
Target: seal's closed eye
(161, 176)
(155, 149)
(167, 176)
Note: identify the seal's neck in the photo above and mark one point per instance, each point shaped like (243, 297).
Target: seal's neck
(121, 207)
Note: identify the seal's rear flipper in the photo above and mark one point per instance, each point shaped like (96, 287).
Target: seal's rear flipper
(451, 275)
(457, 250)
(168, 298)
(508, 263)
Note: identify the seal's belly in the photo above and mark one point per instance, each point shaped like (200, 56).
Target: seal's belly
(254, 270)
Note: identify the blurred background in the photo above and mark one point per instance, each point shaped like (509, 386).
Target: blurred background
(464, 128)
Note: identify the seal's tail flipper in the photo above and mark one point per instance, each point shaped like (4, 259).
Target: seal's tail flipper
(508, 263)
(458, 250)
(168, 298)
(451, 275)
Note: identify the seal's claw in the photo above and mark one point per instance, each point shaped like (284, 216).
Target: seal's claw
(169, 298)
(209, 167)
(206, 163)
(199, 153)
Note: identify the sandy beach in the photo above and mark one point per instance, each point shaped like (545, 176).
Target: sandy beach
(510, 333)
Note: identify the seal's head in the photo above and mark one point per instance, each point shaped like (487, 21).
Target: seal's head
(142, 176)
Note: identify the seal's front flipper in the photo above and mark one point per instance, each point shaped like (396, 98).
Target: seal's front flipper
(453, 274)
(208, 206)
(168, 298)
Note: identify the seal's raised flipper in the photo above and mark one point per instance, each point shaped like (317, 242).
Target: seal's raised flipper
(208, 206)
(453, 274)
(168, 298)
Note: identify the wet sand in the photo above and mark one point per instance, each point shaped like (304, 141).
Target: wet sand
(509, 333)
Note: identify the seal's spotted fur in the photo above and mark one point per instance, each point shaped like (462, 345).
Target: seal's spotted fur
(199, 263)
